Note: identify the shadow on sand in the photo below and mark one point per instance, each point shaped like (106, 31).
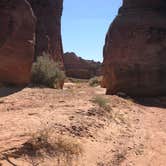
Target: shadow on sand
(6, 91)
(152, 102)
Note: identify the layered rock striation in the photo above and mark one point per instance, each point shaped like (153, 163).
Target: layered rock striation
(135, 49)
(17, 27)
(77, 67)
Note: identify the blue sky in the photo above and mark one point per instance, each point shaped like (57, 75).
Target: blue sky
(84, 26)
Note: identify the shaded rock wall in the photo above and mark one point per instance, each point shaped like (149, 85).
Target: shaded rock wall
(135, 49)
(77, 67)
(48, 27)
(17, 27)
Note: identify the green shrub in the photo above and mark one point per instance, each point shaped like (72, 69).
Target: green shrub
(47, 72)
(95, 81)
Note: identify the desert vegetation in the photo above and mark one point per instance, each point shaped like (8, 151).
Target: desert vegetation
(95, 81)
(46, 143)
(100, 101)
(47, 72)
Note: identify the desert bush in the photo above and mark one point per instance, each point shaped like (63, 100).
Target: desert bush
(45, 141)
(101, 102)
(47, 72)
(47, 144)
(95, 81)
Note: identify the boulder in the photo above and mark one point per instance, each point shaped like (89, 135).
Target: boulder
(78, 67)
(17, 27)
(135, 49)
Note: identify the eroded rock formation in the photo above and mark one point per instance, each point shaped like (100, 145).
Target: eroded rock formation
(135, 49)
(77, 67)
(48, 27)
(27, 29)
(17, 27)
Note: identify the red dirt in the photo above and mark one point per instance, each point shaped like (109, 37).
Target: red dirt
(130, 135)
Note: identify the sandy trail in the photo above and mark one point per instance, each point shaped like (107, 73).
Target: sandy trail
(134, 136)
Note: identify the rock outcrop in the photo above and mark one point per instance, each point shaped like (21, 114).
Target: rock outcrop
(77, 67)
(27, 29)
(48, 27)
(135, 49)
(17, 27)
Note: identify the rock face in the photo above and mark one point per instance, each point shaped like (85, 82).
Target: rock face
(21, 22)
(48, 27)
(135, 49)
(17, 27)
(77, 67)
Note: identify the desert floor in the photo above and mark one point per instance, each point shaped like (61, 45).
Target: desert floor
(124, 132)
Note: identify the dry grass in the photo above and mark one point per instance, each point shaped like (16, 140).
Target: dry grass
(46, 145)
(102, 109)
(76, 80)
(106, 110)
(54, 144)
(102, 103)
(117, 159)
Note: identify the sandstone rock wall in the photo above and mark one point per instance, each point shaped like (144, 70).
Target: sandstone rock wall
(48, 27)
(27, 29)
(135, 49)
(17, 27)
(77, 67)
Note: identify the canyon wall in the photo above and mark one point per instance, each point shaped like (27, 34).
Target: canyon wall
(135, 49)
(27, 29)
(77, 67)
(48, 28)
(17, 27)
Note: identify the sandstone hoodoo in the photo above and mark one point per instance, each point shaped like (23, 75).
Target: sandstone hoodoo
(77, 67)
(135, 49)
(17, 27)
(48, 27)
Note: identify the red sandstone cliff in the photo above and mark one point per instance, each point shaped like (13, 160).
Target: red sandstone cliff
(135, 49)
(77, 67)
(20, 24)
(17, 27)
(48, 27)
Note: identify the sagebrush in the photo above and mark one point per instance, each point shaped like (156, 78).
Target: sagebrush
(95, 81)
(45, 143)
(102, 102)
(47, 72)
